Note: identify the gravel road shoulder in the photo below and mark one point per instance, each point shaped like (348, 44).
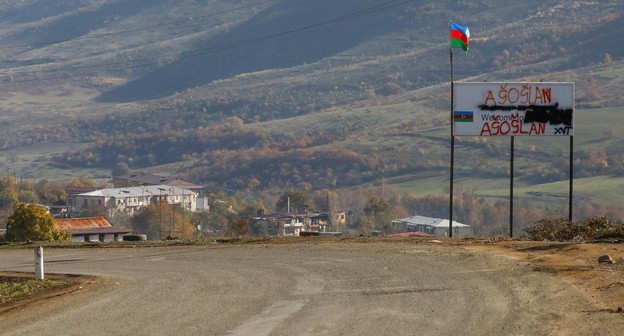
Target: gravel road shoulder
(553, 288)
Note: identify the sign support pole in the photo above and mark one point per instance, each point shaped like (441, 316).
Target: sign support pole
(571, 177)
(511, 187)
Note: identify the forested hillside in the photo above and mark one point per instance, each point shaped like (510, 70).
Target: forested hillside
(265, 95)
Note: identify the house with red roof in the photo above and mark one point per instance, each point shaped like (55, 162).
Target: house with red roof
(96, 229)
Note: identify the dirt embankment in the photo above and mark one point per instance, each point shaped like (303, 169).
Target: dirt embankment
(68, 283)
(578, 264)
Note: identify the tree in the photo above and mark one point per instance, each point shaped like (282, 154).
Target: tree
(8, 192)
(49, 193)
(95, 210)
(295, 201)
(121, 168)
(82, 182)
(28, 196)
(378, 213)
(33, 222)
(326, 200)
(252, 208)
(161, 220)
(238, 227)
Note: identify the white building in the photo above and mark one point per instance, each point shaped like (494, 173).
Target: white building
(129, 200)
(434, 226)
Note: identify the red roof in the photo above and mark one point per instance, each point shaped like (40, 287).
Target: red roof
(412, 234)
(97, 225)
(79, 190)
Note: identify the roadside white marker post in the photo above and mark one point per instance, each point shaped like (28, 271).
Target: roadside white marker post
(39, 263)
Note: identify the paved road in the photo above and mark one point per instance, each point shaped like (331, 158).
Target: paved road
(325, 289)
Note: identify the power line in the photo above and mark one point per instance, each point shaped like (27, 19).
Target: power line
(225, 46)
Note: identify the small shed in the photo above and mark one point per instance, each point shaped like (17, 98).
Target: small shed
(434, 226)
(96, 229)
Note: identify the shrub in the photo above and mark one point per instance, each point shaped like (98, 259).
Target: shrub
(561, 229)
(33, 222)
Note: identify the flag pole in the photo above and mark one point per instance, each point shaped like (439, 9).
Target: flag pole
(452, 151)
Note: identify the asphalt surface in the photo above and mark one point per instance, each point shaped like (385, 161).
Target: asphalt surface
(307, 289)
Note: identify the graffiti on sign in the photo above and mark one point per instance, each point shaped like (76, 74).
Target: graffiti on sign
(506, 109)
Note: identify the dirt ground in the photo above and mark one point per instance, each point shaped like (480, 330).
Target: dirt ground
(603, 283)
(71, 283)
(576, 263)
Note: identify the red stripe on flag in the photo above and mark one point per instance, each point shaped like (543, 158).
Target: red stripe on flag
(456, 34)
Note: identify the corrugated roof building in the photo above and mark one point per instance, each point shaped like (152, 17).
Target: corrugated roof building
(434, 226)
(91, 229)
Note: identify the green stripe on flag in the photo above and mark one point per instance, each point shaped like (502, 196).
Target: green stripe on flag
(457, 43)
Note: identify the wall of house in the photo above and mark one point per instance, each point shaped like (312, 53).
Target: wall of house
(78, 238)
(130, 204)
(82, 202)
(457, 232)
(109, 237)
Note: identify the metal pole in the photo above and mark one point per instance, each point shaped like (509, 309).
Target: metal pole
(452, 153)
(511, 187)
(571, 177)
(171, 209)
(39, 263)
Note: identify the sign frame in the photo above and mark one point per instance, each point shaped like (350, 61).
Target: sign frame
(513, 109)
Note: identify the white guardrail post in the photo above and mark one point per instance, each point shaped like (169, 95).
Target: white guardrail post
(39, 263)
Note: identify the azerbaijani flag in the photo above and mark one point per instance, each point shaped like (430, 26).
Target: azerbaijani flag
(460, 36)
(463, 116)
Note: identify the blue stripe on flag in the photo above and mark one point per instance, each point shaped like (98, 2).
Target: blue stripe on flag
(463, 29)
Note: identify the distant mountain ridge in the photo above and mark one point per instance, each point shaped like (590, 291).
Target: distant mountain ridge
(261, 83)
(287, 34)
(155, 48)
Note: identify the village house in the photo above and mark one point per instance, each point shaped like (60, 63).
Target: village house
(434, 226)
(129, 200)
(145, 179)
(91, 229)
(289, 224)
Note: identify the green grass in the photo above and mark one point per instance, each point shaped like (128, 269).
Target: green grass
(33, 163)
(15, 287)
(606, 190)
(615, 71)
(419, 186)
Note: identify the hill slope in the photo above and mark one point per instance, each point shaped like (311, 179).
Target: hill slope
(266, 95)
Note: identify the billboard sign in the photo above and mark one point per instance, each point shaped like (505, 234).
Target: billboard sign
(510, 109)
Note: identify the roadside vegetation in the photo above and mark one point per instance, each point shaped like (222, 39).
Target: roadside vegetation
(561, 229)
(31, 222)
(15, 287)
(370, 209)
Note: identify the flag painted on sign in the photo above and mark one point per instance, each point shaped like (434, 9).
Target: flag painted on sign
(463, 116)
